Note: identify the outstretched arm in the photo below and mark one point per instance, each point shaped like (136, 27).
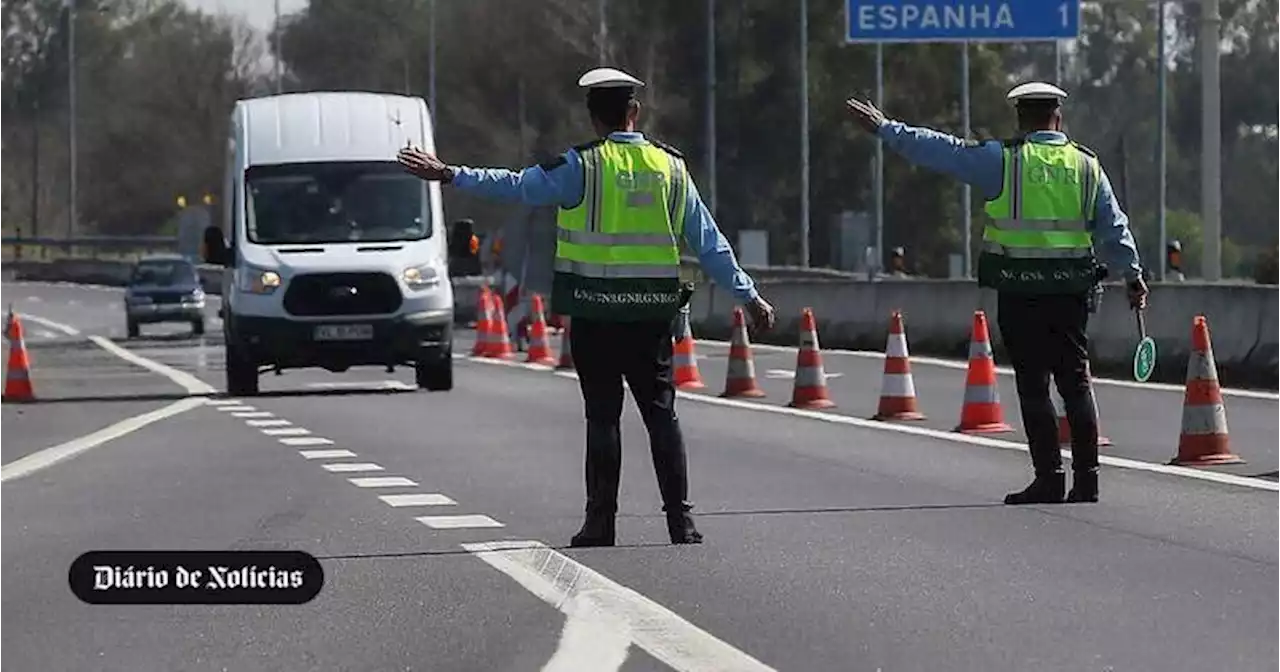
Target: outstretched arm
(978, 164)
(557, 182)
(713, 250)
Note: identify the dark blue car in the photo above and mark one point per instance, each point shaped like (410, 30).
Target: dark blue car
(164, 289)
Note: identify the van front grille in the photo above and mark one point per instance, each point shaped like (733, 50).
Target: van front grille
(320, 294)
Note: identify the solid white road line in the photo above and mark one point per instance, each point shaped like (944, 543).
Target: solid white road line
(191, 383)
(381, 482)
(286, 431)
(64, 328)
(273, 422)
(417, 500)
(1002, 370)
(591, 639)
(956, 437)
(50, 456)
(305, 441)
(457, 522)
(326, 454)
(252, 414)
(577, 590)
(351, 467)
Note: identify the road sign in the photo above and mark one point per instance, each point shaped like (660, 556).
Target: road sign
(961, 20)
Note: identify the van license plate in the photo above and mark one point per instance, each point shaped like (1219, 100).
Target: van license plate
(344, 332)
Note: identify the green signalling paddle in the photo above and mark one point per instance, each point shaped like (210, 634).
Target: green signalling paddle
(1144, 356)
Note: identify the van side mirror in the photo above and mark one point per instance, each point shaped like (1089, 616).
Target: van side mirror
(214, 249)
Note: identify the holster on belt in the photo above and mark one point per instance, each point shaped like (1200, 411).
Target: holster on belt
(680, 324)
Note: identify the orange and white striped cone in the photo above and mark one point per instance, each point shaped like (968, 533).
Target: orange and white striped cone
(17, 380)
(897, 389)
(981, 413)
(500, 345)
(484, 324)
(539, 348)
(811, 379)
(685, 361)
(1204, 439)
(1064, 427)
(566, 348)
(740, 379)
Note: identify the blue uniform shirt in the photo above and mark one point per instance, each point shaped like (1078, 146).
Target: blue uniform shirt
(561, 184)
(981, 165)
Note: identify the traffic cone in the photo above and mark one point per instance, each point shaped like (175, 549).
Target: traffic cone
(17, 380)
(686, 361)
(811, 380)
(981, 413)
(1204, 439)
(500, 343)
(740, 380)
(898, 389)
(539, 349)
(1064, 427)
(484, 324)
(566, 350)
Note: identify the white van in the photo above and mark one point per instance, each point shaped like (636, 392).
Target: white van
(335, 256)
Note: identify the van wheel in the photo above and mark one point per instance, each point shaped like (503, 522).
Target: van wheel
(434, 371)
(242, 374)
(197, 327)
(132, 328)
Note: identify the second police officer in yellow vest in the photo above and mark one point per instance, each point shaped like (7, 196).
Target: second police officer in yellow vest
(625, 204)
(1051, 210)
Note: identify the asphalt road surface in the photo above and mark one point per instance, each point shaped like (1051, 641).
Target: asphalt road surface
(440, 519)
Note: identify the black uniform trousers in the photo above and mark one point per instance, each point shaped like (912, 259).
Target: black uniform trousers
(1045, 335)
(604, 354)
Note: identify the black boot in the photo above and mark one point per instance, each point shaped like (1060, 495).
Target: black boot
(1084, 486)
(1045, 489)
(597, 530)
(680, 527)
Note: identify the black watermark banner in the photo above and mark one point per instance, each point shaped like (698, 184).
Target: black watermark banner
(196, 577)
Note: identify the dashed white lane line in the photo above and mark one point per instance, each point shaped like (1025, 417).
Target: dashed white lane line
(326, 454)
(305, 441)
(233, 409)
(381, 482)
(253, 414)
(417, 500)
(286, 431)
(584, 595)
(351, 467)
(273, 422)
(457, 522)
(224, 402)
(955, 437)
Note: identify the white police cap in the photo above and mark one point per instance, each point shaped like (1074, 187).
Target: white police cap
(1036, 91)
(607, 78)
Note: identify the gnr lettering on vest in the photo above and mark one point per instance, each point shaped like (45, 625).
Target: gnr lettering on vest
(1045, 173)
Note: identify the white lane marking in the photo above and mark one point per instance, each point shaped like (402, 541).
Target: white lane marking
(45, 333)
(350, 467)
(305, 441)
(273, 422)
(66, 329)
(381, 482)
(33, 299)
(326, 454)
(233, 409)
(567, 585)
(1167, 469)
(591, 639)
(252, 414)
(224, 402)
(366, 385)
(457, 522)
(417, 500)
(49, 456)
(192, 384)
(1002, 370)
(286, 431)
(790, 375)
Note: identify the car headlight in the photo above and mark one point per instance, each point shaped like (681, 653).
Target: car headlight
(257, 280)
(421, 277)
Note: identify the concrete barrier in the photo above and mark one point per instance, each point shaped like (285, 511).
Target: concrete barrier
(1243, 319)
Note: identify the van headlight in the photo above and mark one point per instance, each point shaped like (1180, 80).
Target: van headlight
(421, 277)
(257, 280)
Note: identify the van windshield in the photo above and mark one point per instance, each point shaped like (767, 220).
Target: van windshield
(335, 203)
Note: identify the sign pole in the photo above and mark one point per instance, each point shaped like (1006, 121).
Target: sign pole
(966, 205)
(1161, 160)
(879, 179)
(804, 133)
(711, 105)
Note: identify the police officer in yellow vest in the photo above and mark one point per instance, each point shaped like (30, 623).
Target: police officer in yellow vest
(1051, 209)
(626, 202)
